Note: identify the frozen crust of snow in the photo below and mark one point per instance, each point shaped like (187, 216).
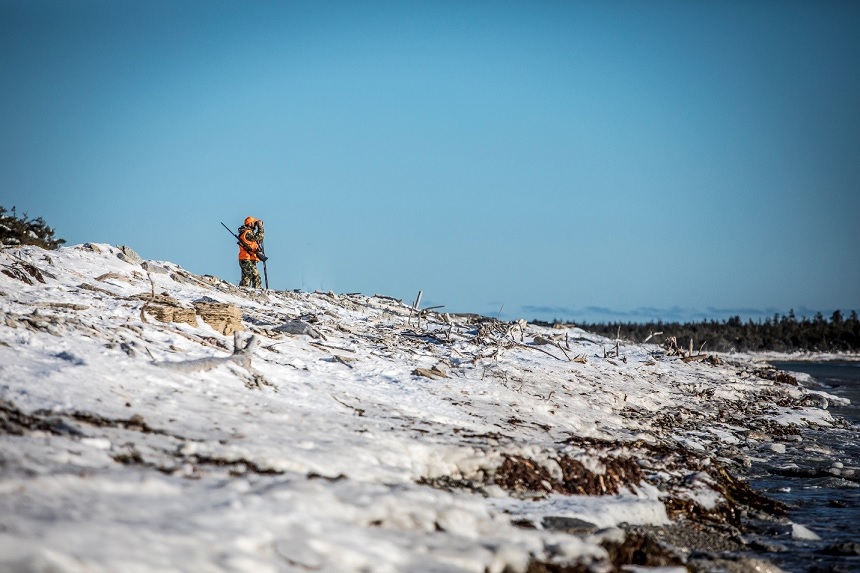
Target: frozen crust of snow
(368, 440)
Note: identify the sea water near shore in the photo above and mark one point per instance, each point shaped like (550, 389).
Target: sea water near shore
(841, 378)
(814, 480)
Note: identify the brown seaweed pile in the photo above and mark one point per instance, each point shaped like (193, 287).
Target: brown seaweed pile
(520, 475)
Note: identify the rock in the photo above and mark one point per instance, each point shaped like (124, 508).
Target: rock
(298, 327)
(165, 308)
(697, 477)
(158, 298)
(435, 372)
(816, 400)
(774, 447)
(766, 546)
(570, 525)
(165, 313)
(608, 535)
(223, 317)
(151, 267)
(844, 548)
(127, 254)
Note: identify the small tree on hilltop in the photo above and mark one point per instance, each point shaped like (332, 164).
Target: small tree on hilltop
(21, 230)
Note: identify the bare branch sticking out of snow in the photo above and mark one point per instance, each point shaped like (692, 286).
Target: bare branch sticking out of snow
(241, 356)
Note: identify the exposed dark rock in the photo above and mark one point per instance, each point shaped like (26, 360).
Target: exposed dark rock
(127, 254)
(642, 550)
(845, 548)
(571, 525)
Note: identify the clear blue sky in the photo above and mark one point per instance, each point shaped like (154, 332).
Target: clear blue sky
(575, 160)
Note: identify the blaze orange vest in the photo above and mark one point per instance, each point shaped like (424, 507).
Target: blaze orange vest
(244, 255)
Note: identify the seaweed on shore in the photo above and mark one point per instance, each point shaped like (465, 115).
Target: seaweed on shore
(642, 550)
(675, 470)
(521, 475)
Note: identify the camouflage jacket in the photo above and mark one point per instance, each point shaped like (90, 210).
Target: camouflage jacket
(258, 236)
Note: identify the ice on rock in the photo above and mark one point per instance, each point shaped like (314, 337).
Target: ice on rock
(799, 531)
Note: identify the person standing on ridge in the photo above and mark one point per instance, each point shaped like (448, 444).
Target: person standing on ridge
(250, 234)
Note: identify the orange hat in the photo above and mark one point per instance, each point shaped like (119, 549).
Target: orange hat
(249, 221)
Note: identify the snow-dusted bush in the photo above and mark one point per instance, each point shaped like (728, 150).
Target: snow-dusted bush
(21, 230)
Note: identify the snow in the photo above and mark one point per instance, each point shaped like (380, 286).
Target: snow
(128, 464)
(602, 511)
(638, 569)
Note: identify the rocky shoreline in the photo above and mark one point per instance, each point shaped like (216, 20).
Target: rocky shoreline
(317, 431)
(731, 537)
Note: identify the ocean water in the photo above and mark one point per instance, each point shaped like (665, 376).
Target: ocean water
(839, 378)
(813, 478)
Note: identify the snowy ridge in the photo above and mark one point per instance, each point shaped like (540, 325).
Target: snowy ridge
(359, 436)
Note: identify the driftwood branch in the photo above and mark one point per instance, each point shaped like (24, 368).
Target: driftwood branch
(151, 298)
(93, 288)
(542, 350)
(358, 411)
(241, 356)
(653, 334)
(414, 308)
(345, 360)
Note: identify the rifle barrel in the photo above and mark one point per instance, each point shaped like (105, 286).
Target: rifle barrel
(259, 252)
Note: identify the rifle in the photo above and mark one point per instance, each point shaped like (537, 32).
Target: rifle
(259, 252)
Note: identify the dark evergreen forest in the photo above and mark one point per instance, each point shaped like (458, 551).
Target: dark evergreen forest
(784, 333)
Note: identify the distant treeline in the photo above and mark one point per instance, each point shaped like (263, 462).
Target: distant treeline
(781, 333)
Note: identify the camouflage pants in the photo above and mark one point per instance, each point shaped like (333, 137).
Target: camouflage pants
(250, 274)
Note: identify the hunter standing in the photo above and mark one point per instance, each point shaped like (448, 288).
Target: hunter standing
(250, 236)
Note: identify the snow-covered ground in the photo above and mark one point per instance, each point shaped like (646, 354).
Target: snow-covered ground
(354, 434)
